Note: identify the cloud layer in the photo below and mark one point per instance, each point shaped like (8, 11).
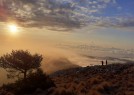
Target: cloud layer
(64, 14)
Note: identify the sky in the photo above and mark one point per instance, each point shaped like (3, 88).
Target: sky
(75, 29)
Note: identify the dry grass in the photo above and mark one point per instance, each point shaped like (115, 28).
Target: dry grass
(116, 79)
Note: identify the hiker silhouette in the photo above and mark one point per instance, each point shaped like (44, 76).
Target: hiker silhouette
(102, 62)
(106, 62)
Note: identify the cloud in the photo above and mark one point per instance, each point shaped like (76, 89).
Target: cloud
(55, 64)
(53, 13)
(58, 14)
(99, 53)
(116, 22)
(106, 1)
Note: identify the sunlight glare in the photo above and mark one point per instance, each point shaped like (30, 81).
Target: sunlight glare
(13, 28)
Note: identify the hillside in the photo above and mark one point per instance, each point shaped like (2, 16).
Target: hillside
(114, 79)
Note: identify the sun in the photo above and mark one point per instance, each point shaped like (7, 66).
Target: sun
(13, 28)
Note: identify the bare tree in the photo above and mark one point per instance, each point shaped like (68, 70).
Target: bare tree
(20, 62)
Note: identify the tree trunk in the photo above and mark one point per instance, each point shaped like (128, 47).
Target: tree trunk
(25, 75)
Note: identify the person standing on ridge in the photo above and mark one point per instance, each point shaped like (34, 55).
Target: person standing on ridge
(106, 62)
(102, 62)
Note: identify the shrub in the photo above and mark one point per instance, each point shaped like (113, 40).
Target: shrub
(36, 80)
